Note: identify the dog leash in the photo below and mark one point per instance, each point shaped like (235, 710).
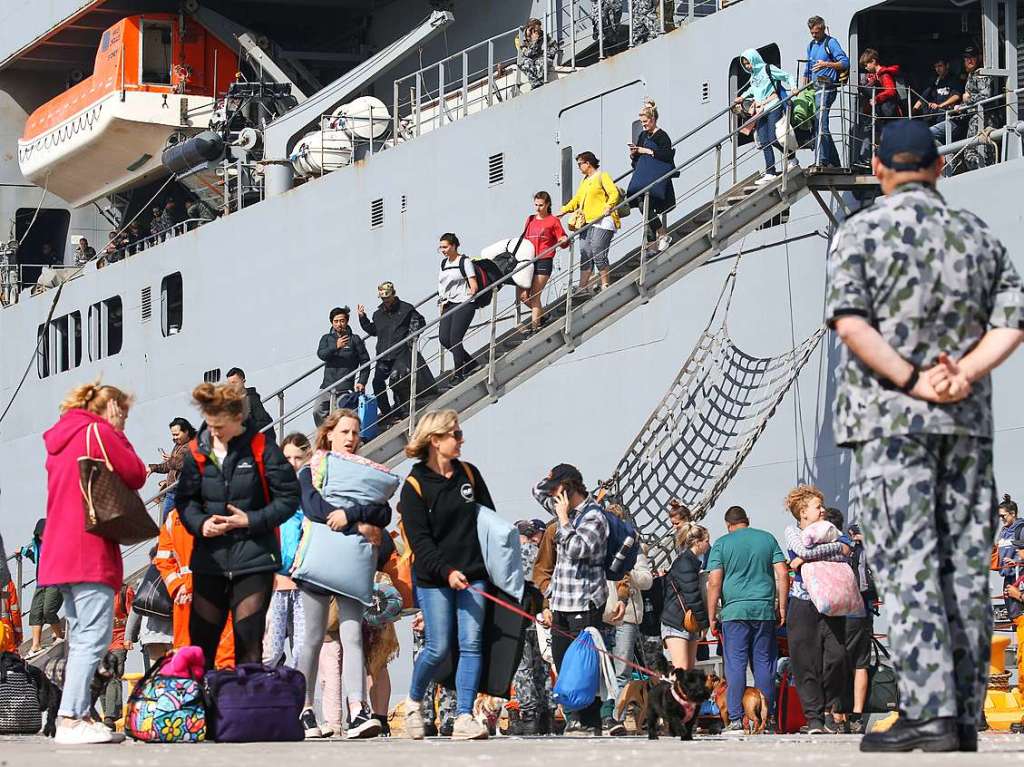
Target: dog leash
(512, 608)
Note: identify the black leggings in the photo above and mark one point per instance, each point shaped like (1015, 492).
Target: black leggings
(455, 321)
(821, 667)
(247, 597)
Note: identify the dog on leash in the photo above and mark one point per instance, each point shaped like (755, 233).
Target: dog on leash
(755, 705)
(634, 695)
(54, 671)
(487, 711)
(676, 700)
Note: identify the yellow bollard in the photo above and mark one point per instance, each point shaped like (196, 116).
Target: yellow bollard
(130, 680)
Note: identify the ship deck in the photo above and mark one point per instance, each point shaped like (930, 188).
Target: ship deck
(785, 751)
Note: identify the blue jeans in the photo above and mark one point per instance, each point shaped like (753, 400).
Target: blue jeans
(624, 647)
(939, 131)
(168, 504)
(743, 641)
(443, 608)
(825, 152)
(89, 608)
(764, 130)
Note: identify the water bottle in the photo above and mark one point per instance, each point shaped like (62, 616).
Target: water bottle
(619, 562)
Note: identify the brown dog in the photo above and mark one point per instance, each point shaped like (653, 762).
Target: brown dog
(634, 694)
(755, 705)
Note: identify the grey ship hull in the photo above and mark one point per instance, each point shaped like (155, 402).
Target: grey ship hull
(258, 286)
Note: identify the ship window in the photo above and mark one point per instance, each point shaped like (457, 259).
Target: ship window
(171, 305)
(496, 169)
(106, 328)
(43, 352)
(75, 336)
(377, 213)
(147, 303)
(155, 60)
(567, 168)
(60, 344)
(211, 376)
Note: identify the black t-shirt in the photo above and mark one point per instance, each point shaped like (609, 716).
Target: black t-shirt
(941, 89)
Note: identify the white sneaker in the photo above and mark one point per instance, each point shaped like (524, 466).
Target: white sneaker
(115, 736)
(468, 728)
(767, 178)
(413, 720)
(793, 164)
(664, 243)
(81, 733)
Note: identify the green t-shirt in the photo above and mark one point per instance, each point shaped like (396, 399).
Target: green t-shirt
(746, 557)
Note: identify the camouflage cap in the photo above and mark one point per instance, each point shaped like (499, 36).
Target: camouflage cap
(386, 289)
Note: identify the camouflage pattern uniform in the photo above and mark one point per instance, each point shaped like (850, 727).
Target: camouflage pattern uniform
(530, 60)
(611, 17)
(977, 88)
(532, 679)
(445, 702)
(646, 24)
(930, 279)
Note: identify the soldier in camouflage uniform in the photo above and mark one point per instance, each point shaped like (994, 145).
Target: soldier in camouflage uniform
(444, 720)
(927, 303)
(646, 21)
(532, 679)
(610, 13)
(530, 60)
(977, 87)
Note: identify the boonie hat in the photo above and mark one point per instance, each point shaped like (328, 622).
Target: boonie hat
(911, 138)
(386, 289)
(563, 472)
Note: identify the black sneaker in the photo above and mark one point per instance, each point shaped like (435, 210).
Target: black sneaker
(309, 724)
(362, 725)
(446, 728)
(385, 728)
(856, 726)
(614, 728)
(430, 730)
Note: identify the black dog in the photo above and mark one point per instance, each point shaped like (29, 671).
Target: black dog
(53, 673)
(676, 701)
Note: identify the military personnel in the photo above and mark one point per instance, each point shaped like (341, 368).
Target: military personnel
(977, 87)
(927, 303)
(438, 704)
(610, 14)
(530, 60)
(646, 20)
(532, 679)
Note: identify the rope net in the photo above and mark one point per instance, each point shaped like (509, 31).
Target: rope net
(698, 436)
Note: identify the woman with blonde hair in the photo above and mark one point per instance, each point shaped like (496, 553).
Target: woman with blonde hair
(684, 617)
(338, 434)
(235, 490)
(85, 567)
(653, 160)
(439, 510)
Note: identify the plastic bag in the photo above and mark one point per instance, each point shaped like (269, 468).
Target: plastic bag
(579, 676)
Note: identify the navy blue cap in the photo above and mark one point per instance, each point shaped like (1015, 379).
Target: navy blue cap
(907, 137)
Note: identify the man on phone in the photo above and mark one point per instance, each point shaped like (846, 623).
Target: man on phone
(343, 353)
(578, 589)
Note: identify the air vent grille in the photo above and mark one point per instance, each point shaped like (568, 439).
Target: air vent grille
(496, 169)
(377, 213)
(211, 376)
(405, 203)
(705, 93)
(147, 303)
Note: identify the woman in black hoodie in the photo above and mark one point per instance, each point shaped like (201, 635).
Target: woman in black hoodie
(683, 595)
(233, 511)
(439, 508)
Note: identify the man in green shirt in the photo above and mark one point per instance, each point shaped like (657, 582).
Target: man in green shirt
(747, 570)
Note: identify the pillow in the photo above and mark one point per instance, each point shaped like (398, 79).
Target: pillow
(819, 532)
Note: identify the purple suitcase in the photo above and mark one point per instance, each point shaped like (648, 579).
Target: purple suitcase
(254, 703)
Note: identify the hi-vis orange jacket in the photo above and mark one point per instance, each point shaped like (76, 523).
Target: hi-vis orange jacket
(173, 555)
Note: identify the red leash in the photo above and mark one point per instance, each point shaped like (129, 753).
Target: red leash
(512, 608)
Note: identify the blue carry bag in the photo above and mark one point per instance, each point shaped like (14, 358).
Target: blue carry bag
(579, 677)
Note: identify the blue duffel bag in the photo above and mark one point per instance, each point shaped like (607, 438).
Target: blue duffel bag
(579, 676)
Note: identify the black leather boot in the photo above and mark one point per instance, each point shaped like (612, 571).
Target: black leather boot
(938, 734)
(968, 737)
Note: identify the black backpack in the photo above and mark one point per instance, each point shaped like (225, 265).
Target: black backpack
(654, 601)
(487, 272)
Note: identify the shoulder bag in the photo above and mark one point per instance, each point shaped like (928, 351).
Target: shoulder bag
(112, 510)
(152, 597)
(689, 620)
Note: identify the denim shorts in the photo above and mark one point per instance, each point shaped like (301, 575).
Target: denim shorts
(667, 632)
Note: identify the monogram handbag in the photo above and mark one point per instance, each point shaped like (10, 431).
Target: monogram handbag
(112, 510)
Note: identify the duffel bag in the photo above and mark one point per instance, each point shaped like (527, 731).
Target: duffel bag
(254, 703)
(883, 684)
(152, 597)
(19, 698)
(166, 709)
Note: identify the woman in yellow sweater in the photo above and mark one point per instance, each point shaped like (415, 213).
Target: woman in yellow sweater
(597, 197)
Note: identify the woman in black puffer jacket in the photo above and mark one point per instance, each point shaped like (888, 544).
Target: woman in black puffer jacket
(233, 512)
(683, 593)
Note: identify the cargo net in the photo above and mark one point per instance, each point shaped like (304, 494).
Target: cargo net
(699, 435)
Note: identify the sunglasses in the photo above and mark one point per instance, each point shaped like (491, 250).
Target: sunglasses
(457, 433)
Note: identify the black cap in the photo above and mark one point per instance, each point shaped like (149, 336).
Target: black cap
(972, 52)
(911, 138)
(563, 472)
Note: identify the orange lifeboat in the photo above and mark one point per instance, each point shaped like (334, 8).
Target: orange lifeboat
(155, 76)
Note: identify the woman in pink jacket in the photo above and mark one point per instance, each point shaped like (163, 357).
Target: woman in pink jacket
(86, 567)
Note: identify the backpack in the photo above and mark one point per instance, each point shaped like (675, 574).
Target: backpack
(258, 445)
(844, 76)
(487, 272)
(622, 549)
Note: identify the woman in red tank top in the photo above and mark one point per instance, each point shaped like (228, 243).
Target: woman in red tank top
(545, 231)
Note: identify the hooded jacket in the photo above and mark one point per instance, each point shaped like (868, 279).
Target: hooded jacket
(885, 79)
(257, 413)
(761, 86)
(253, 549)
(391, 326)
(341, 362)
(70, 554)
(684, 578)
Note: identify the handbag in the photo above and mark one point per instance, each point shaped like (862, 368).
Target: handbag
(342, 564)
(166, 709)
(689, 620)
(112, 510)
(578, 220)
(399, 567)
(883, 684)
(254, 703)
(152, 597)
(19, 698)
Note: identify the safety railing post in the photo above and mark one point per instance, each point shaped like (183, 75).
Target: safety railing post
(394, 114)
(545, 32)
(572, 33)
(412, 382)
(280, 414)
(19, 566)
(821, 123)
(490, 73)
(441, 107)
(418, 105)
(641, 282)
(567, 330)
(492, 349)
(874, 122)
(465, 83)
(718, 183)
(630, 23)
(600, 29)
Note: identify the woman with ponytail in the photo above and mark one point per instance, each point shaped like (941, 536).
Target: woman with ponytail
(85, 567)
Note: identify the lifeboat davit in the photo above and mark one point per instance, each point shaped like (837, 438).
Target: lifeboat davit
(154, 77)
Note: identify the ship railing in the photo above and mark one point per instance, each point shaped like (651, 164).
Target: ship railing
(717, 168)
(487, 73)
